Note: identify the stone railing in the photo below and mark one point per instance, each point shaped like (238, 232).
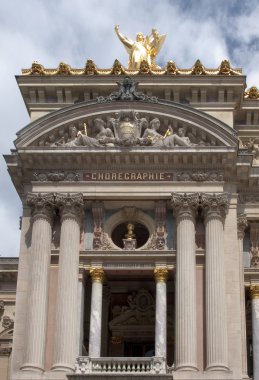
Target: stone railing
(154, 365)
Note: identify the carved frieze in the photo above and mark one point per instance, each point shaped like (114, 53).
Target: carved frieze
(200, 176)
(248, 198)
(56, 176)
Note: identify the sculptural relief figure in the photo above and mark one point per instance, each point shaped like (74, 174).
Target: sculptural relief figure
(79, 139)
(143, 49)
(105, 135)
(152, 134)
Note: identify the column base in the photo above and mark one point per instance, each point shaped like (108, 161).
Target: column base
(186, 367)
(63, 367)
(217, 367)
(32, 367)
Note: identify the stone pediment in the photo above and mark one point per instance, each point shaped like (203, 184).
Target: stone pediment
(126, 120)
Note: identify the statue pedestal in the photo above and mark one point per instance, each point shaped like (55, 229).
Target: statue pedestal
(129, 244)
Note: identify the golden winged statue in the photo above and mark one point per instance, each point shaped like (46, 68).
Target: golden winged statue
(143, 49)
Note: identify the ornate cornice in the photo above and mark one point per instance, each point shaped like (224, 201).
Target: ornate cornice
(42, 205)
(118, 69)
(185, 204)
(215, 205)
(97, 274)
(71, 205)
(241, 225)
(254, 291)
(161, 274)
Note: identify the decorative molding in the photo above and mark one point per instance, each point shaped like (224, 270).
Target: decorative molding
(97, 274)
(254, 244)
(56, 176)
(127, 92)
(98, 216)
(118, 69)
(241, 225)
(200, 176)
(248, 198)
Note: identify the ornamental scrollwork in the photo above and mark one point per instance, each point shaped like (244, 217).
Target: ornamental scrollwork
(56, 176)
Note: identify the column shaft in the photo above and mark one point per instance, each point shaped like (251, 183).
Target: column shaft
(66, 348)
(39, 281)
(185, 307)
(97, 275)
(241, 226)
(255, 328)
(216, 323)
(161, 312)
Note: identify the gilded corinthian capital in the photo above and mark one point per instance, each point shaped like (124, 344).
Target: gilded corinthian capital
(161, 274)
(70, 204)
(184, 203)
(216, 204)
(42, 205)
(254, 291)
(97, 274)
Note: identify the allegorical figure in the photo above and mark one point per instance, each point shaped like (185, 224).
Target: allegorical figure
(143, 49)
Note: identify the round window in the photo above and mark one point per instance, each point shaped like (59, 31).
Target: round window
(141, 234)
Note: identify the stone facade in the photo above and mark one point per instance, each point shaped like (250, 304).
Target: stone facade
(140, 227)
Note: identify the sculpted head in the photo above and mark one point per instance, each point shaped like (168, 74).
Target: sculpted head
(140, 37)
(72, 131)
(155, 124)
(99, 123)
(181, 132)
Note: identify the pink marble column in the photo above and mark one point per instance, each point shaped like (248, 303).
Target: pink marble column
(42, 217)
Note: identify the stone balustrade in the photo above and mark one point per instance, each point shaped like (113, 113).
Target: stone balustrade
(153, 365)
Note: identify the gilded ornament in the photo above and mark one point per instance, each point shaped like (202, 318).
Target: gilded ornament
(254, 291)
(116, 340)
(37, 69)
(252, 93)
(144, 68)
(117, 68)
(161, 274)
(130, 234)
(64, 69)
(97, 274)
(198, 68)
(171, 68)
(90, 68)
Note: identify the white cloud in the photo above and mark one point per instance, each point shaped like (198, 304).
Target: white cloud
(54, 31)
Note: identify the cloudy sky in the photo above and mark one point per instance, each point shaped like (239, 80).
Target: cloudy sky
(51, 31)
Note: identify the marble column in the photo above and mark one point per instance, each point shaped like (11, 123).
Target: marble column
(185, 206)
(42, 217)
(97, 275)
(66, 347)
(241, 227)
(161, 274)
(215, 207)
(254, 290)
